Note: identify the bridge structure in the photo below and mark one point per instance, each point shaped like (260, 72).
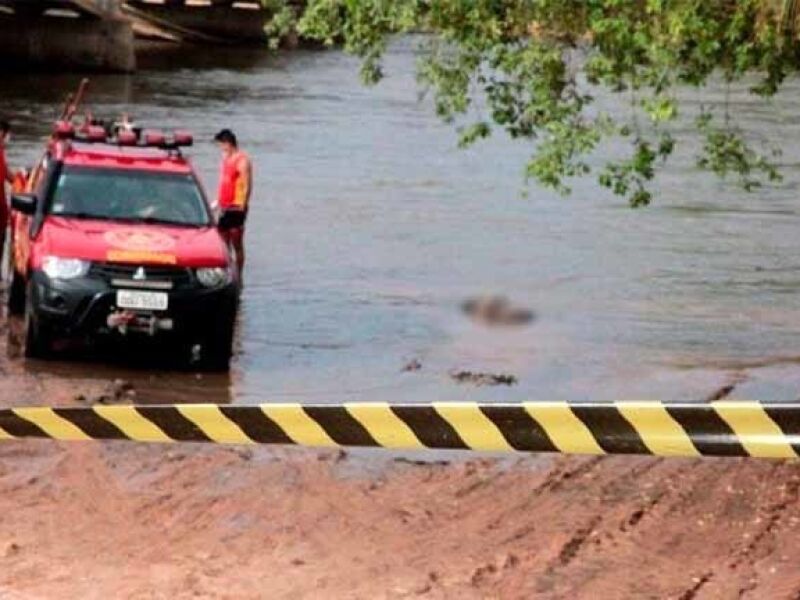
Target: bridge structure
(222, 22)
(100, 34)
(64, 34)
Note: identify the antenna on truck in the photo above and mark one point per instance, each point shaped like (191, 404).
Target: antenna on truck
(74, 101)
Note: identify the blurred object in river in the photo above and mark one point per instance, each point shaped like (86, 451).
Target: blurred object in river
(412, 366)
(482, 379)
(496, 310)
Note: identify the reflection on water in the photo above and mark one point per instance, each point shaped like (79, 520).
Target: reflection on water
(150, 374)
(368, 229)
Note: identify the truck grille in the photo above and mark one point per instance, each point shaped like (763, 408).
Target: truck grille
(155, 277)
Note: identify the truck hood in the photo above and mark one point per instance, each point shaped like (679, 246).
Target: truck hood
(108, 241)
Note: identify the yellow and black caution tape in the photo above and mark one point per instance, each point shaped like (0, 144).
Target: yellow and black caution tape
(730, 428)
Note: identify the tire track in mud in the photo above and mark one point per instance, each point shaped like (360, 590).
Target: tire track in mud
(668, 498)
(734, 572)
(560, 476)
(567, 553)
(658, 498)
(564, 473)
(636, 517)
(629, 478)
(748, 556)
(555, 479)
(687, 491)
(510, 536)
(572, 548)
(697, 586)
(602, 527)
(631, 510)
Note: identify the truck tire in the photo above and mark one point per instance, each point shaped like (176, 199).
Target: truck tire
(216, 347)
(16, 294)
(37, 337)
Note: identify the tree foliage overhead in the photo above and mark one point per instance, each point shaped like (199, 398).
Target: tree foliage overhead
(535, 67)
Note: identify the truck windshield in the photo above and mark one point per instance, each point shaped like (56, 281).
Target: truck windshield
(127, 195)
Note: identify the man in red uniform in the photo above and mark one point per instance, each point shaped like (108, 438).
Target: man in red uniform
(235, 186)
(5, 177)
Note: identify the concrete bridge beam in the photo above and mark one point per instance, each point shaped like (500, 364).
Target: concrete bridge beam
(55, 42)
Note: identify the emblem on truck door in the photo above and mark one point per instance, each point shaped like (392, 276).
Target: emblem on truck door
(140, 274)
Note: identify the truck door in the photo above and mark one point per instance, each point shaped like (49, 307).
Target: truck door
(21, 224)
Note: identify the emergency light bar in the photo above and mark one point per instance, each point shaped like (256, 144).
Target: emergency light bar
(135, 137)
(153, 138)
(64, 130)
(122, 133)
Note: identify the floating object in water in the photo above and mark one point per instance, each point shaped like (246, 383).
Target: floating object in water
(481, 379)
(412, 366)
(496, 310)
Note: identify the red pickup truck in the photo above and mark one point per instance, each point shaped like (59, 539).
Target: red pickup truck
(114, 237)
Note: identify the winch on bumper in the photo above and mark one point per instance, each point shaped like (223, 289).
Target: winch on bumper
(90, 305)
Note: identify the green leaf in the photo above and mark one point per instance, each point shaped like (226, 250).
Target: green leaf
(517, 60)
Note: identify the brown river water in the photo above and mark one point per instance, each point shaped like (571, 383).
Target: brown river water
(369, 228)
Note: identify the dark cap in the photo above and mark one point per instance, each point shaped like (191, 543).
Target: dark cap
(226, 136)
(5, 126)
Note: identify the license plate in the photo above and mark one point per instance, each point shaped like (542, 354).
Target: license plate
(142, 300)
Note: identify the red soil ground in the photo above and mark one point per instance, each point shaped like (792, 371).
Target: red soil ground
(129, 521)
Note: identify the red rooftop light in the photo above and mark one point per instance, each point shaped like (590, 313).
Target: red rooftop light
(183, 138)
(95, 133)
(127, 138)
(153, 137)
(64, 130)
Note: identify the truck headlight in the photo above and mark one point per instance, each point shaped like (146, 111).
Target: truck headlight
(213, 276)
(56, 267)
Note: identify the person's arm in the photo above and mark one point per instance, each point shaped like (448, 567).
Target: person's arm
(246, 172)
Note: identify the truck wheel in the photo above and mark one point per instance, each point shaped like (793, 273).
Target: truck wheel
(38, 340)
(16, 294)
(216, 348)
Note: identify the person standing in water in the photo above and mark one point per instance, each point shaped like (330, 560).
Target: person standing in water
(235, 186)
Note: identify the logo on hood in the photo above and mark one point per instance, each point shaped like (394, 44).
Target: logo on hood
(138, 240)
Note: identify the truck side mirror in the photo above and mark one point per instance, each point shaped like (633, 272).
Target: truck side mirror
(230, 219)
(24, 203)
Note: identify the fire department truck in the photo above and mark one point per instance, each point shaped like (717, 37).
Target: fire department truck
(114, 237)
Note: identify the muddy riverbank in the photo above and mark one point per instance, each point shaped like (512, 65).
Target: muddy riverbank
(120, 520)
